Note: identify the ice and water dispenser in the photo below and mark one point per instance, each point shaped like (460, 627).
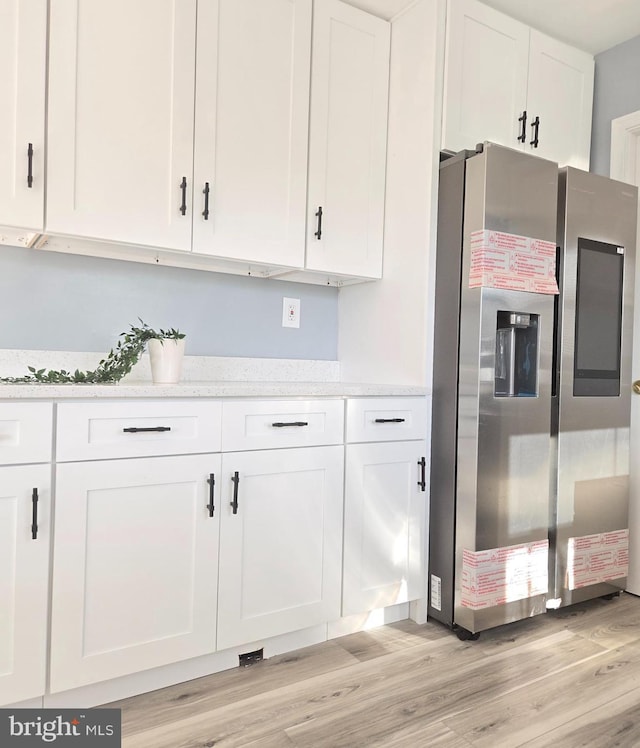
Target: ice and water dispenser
(516, 361)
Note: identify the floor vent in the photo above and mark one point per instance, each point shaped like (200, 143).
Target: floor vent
(250, 658)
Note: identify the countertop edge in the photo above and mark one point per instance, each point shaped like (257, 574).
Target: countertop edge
(206, 389)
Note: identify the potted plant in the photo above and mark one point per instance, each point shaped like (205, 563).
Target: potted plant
(165, 364)
(166, 352)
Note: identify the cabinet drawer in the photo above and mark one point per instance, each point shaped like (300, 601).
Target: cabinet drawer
(25, 432)
(386, 419)
(269, 424)
(96, 431)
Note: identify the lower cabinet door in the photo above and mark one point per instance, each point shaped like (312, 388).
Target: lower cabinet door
(384, 517)
(135, 566)
(24, 580)
(280, 542)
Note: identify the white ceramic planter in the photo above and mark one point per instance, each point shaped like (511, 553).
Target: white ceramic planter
(166, 360)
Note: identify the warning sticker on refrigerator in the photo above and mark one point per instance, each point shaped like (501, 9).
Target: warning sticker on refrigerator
(592, 559)
(512, 262)
(502, 575)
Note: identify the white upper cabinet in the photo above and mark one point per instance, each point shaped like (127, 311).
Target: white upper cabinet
(485, 76)
(512, 85)
(560, 95)
(121, 113)
(348, 138)
(23, 53)
(252, 118)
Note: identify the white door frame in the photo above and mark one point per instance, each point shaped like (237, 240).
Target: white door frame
(625, 134)
(625, 166)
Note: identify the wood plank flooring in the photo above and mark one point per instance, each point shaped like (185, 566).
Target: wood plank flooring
(566, 679)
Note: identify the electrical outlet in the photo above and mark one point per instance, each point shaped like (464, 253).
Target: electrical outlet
(290, 312)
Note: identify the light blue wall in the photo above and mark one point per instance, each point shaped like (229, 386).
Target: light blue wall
(54, 301)
(616, 92)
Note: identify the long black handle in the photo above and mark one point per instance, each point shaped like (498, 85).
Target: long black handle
(34, 514)
(30, 165)
(138, 429)
(535, 128)
(205, 192)
(318, 232)
(523, 132)
(235, 480)
(282, 424)
(211, 480)
(422, 464)
(183, 187)
(389, 420)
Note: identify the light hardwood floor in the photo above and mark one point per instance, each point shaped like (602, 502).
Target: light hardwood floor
(565, 679)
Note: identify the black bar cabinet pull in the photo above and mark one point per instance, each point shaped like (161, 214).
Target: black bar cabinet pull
(318, 233)
(138, 429)
(523, 132)
(389, 420)
(235, 480)
(282, 424)
(211, 480)
(422, 464)
(183, 187)
(30, 165)
(205, 192)
(535, 127)
(34, 514)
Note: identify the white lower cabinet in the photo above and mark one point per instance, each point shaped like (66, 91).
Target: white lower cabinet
(25, 501)
(160, 558)
(135, 566)
(385, 504)
(280, 542)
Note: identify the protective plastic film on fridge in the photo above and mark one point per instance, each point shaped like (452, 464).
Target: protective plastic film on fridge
(490, 488)
(592, 387)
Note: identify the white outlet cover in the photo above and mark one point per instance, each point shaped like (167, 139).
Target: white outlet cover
(290, 312)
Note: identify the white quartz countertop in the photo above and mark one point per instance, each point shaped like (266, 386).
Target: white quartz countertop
(203, 376)
(205, 389)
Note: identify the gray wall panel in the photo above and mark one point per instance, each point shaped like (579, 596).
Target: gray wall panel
(55, 301)
(616, 92)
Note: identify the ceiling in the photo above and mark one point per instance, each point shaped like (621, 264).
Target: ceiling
(592, 25)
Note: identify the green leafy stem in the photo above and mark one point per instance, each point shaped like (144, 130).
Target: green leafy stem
(116, 364)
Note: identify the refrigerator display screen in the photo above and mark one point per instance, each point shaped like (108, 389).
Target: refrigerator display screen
(598, 319)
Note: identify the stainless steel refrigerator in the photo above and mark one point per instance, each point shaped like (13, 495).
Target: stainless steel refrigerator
(505, 531)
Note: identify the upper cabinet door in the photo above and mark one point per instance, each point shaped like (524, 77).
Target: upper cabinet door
(252, 118)
(23, 51)
(121, 100)
(485, 76)
(561, 97)
(348, 140)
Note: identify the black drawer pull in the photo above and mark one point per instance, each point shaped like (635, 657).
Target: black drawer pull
(235, 480)
(422, 464)
(389, 420)
(138, 430)
(34, 514)
(211, 480)
(282, 424)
